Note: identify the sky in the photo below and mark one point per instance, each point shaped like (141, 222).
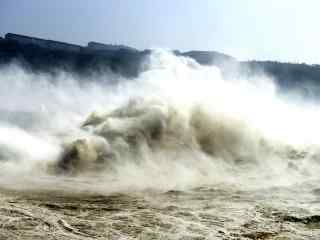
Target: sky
(282, 30)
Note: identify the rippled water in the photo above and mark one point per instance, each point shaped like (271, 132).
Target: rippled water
(206, 212)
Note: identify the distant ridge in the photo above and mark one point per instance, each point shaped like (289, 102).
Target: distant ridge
(203, 57)
(50, 56)
(57, 45)
(38, 53)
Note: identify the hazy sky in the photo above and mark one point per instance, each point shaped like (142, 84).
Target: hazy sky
(286, 30)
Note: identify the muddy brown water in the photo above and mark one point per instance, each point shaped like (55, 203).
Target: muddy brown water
(206, 212)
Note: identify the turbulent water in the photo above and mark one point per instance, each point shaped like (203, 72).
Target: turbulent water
(177, 153)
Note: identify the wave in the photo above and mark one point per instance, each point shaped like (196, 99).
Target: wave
(177, 124)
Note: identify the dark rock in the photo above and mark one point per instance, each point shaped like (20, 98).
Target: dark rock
(304, 220)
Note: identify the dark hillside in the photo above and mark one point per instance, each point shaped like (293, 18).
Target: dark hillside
(301, 78)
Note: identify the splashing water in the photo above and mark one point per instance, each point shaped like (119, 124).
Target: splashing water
(190, 154)
(178, 124)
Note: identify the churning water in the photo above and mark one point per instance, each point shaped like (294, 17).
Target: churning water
(177, 153)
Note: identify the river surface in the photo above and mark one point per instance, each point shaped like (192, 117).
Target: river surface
(206, 212)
